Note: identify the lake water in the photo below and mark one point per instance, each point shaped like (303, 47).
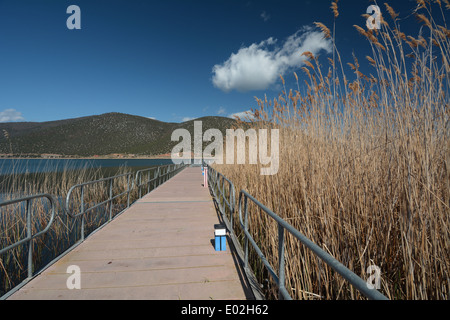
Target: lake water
(8, 166)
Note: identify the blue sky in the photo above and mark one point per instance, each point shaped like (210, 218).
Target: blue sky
(171, 60)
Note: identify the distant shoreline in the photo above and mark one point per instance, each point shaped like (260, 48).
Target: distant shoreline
(88, 158)
(118, 156)
(96, 158)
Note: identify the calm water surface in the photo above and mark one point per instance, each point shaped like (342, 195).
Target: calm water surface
(8, 166)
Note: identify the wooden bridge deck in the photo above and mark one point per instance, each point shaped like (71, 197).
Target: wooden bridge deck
(161, 248)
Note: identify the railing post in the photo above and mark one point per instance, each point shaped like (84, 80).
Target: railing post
(245, 232)
(129, 191)
(30, 241)
(281, 261)
(110, 199)
(32, 232)
(139, 186)
(155, 175)
(216, 183)
(231, 201)
(223, 194)
(159, 176)
(82, 216)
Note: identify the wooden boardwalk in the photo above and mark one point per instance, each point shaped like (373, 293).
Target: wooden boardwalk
(161, 248)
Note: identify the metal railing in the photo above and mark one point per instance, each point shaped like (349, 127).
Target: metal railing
(150, 176)
(224, 193)
(83, 186)
(153, 177)
(163, 173)
(30, 235)
(167, 172)
(283, 226)
(225, 201)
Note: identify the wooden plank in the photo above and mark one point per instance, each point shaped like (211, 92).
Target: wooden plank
(160, 248)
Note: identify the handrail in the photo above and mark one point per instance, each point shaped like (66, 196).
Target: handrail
(140, 174)
(218, 181)
(214, 178)
(82, 185)
(164, 173)
(30, 236)
(223, 192)
(351, 277)
(158, 177)
(111, 198)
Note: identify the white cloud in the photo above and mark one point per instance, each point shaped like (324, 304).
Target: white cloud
(221, 111)
(265, 16)
(11, 115)
(259, 66)
(185, 119)
(244, 115)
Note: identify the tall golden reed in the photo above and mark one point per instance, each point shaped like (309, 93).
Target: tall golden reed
(364, 165)
(65, 231)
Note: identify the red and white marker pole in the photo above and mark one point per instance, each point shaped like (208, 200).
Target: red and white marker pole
(205, 177)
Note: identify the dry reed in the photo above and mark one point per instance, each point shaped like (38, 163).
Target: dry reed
(364, 167)
(64, 231)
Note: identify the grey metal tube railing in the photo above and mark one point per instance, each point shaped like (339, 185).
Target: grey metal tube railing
(217, 184)
(82, 186)
(30, 236)
(168, 171)
(161, 175)
(151, 176)
(351, 277)
(155, 176)
(224, 192)
(164, 173)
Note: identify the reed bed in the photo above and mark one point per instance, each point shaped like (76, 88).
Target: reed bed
(65, 231)
(364, 164)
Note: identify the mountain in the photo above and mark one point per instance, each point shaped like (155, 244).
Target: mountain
(110, 133)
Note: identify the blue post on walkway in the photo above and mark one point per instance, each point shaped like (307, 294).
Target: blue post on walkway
(220, 238)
